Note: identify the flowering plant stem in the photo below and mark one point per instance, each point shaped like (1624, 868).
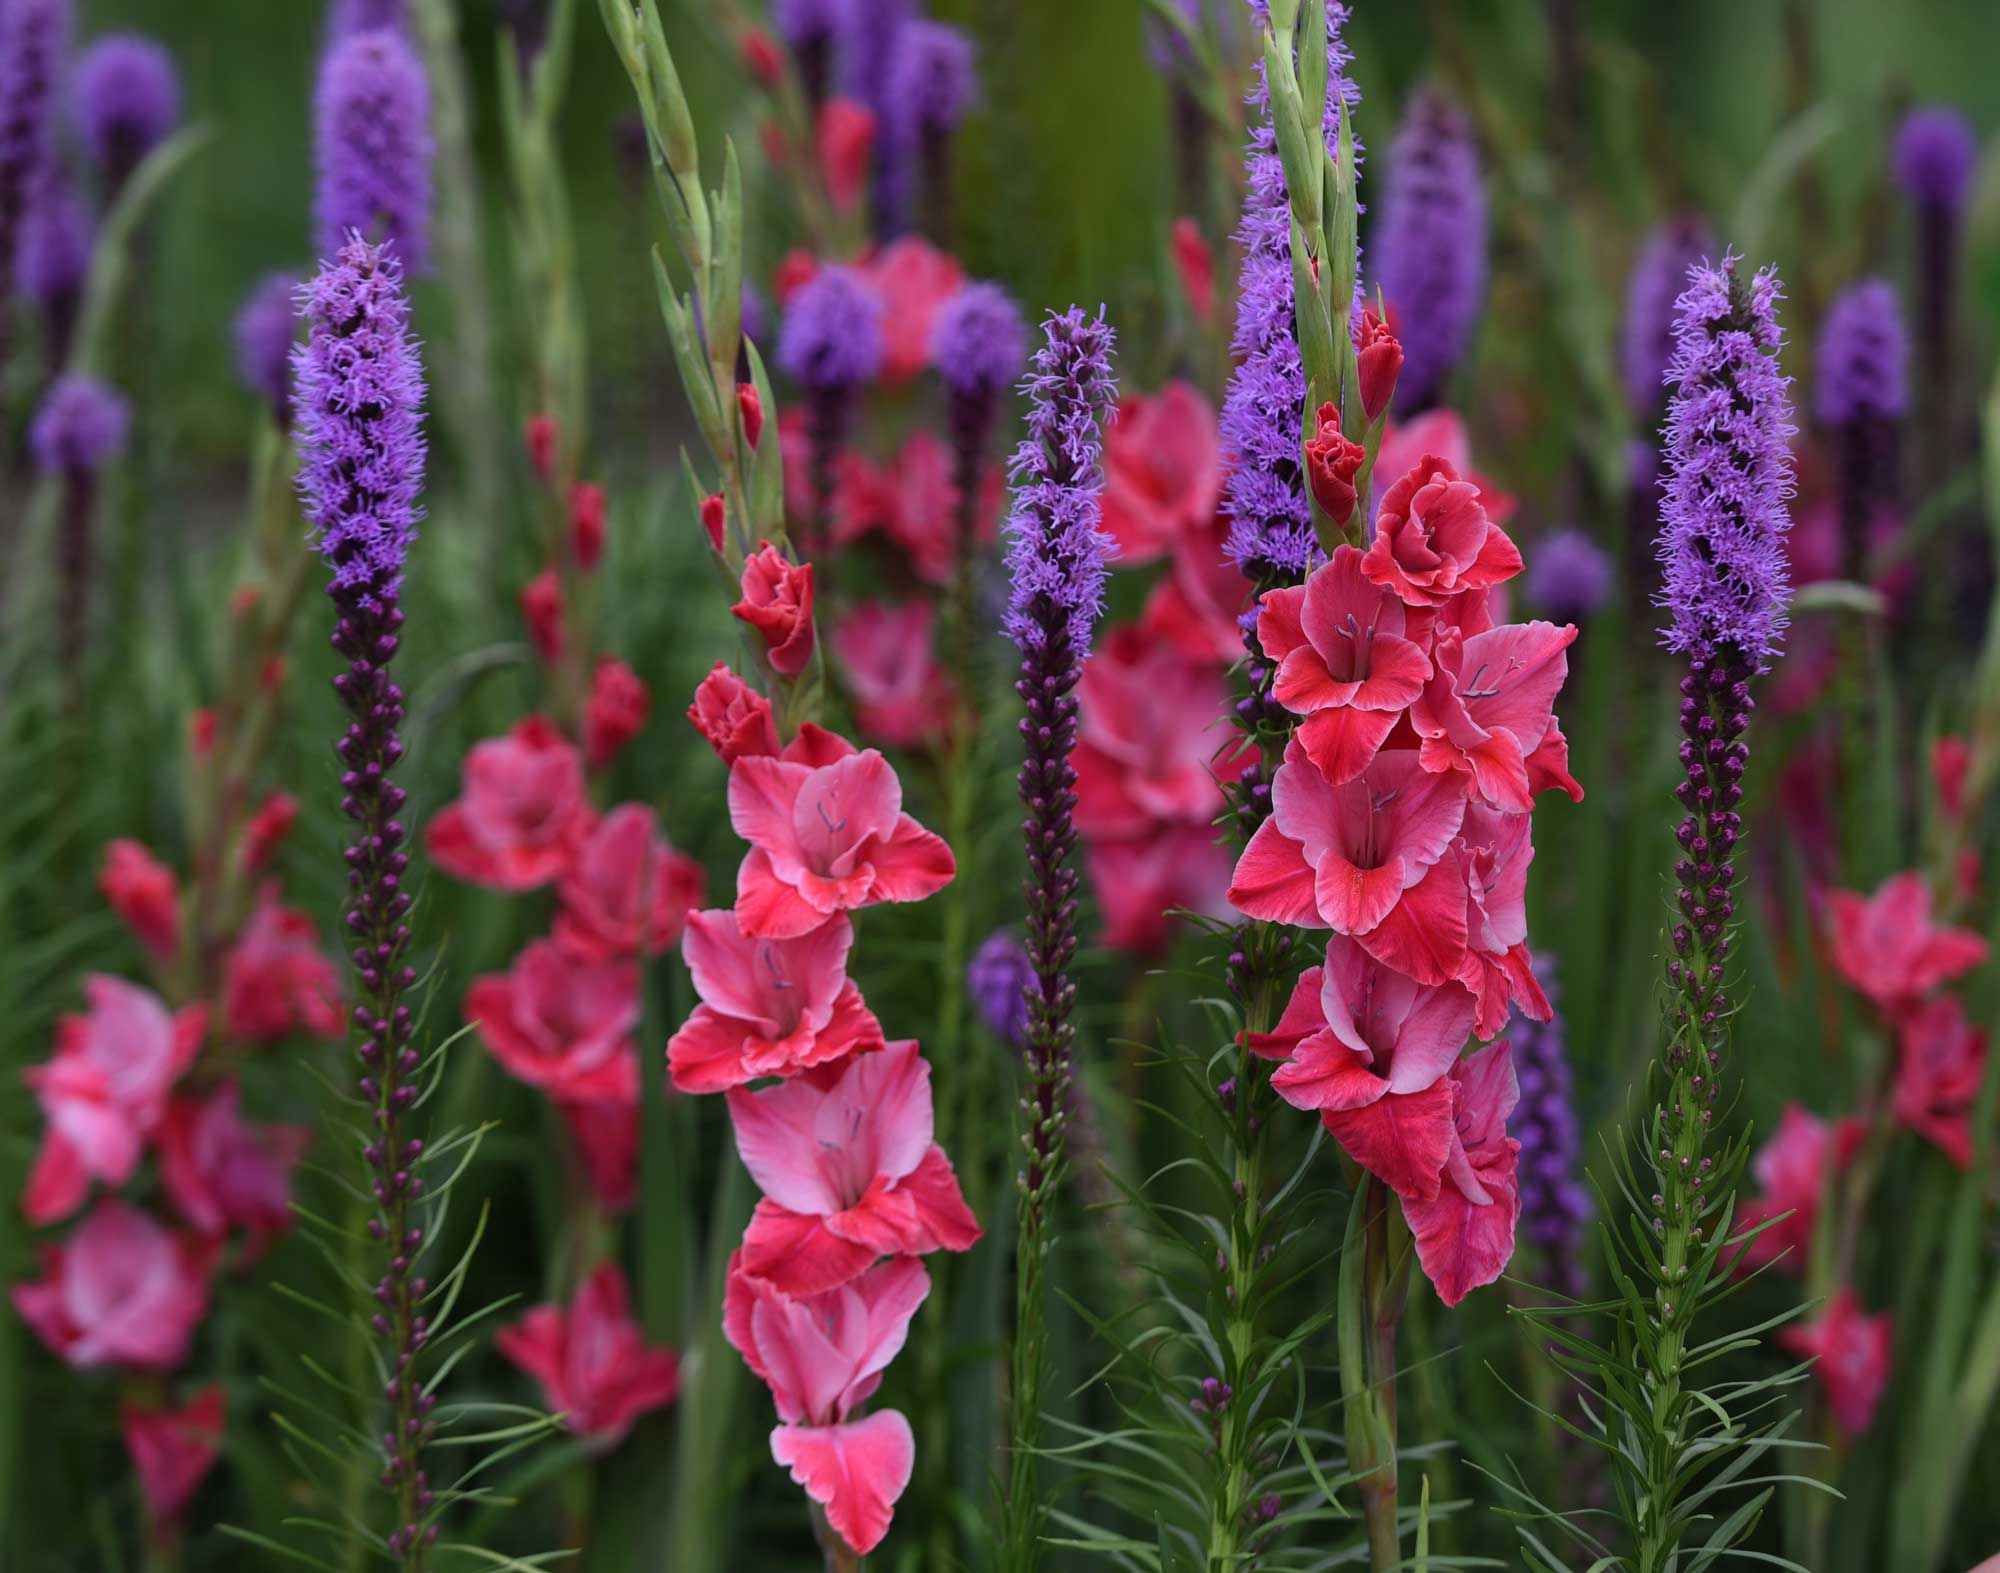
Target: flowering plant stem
(1374, 1283)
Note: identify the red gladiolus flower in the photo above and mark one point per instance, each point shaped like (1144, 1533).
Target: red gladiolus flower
(1433, 539)
(1793, 1170)
(846, 140)
(521, 813)
(1194, 261)
(778, 603)
(796, 269)
(628, 893)
(1196, 607)
(1139, 880)
(849, 1172)
(1851, 1354)
(562, 1022)
(592, 1361)
(542, 611)
(122, 1291)
(1442, 432)
(1162, 471)
(769, 1007)
(1886, 945)
(1489, 706)
(172, 1450)
(1333, 459)
(586, 524)
(1941, 1057)
(605, 1133)
(615, 713)
(201, 732)
(1379, 357)
(733, 716)
(277, 980)
(146, 896)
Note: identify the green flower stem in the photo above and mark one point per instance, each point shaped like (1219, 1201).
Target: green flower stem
(1374, 1284)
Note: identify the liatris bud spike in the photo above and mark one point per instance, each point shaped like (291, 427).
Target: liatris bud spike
(34, 36)
(978, 346)
(127, 95)
(372, 146)
(831, 343)
(359, 427)
(54, 258)
(1861, 398)
(931, 83)
(80, 427)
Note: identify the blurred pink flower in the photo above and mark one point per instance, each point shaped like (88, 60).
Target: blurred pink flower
(562, 1022)
(913, 280)
(121, 1291)
(1851, 1354)
(1162, 471)
(104, 1091)
(276, 980)
(769, 1007)
(888, 654)
(1886, 945)
(605, 1133)
(1940, 1058)
(1140, 881)
(172, 1450)
(849, 1171)
(733, 716)
(826, 839)
(629, 892)
(221, 1172)
(521, 813)
(1195, 607)
(592, 1360)
(145, 894)
(1792, 1171)
(615, 712)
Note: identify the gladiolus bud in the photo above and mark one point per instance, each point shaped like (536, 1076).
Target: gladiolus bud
(586, 524)
(268, 828)
(615, 712)
(201, 732)
(778, 603)
(540, 436)
(794, 274)
(712, 518)
(1333, 459)
(542, 611)
(846, 139)
(751, 408)
(144, 893)
(1194, 259)
(761, 57)
(244, 600)
(1380, 356)
(272, 677)
(733, 716)
(1951, 759)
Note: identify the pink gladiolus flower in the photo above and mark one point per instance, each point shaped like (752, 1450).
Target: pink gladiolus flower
(1140, 880)
(733, 716)
(615, 713)
(1162, 471)
(1886, 945)
(825, 839)
(769, 1007)
(1490, 705)
(822, 1357)
(561, 1022)
(889, 656)
(1442, 432)
(1940, 1059)
(122, 1291)
(606, 1136)
(1433, 539)
(1342, 857)
(1149, 750)
(914, 280)
(223, 1173)
(277, 980)
(521, 813)
(104, 1091)
(144, 893)
(1196, 606)
(1851, 1354)
(849, 1172)
(1951, 763)
(267, 830)
(628, 893)
(1793, 1168)
(1465, 1234)
(916, 505)
(1370, 1050)
(846, 137)
(778, 602)
(1493, 854)
(172, 1450)
(1345, 663)
(592, 1361)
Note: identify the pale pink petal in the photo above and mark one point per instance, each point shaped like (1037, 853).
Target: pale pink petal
(856, 1471)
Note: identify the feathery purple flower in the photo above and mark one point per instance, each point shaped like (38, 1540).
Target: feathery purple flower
(372, 146)
(80, 426)
(53, 254)
(978, 345)
(1936, 154)
(265, 330)
(359, 428)
(126, 99)
(34, 37)
(1727, 450)
(1863, 358)
(1568, 576)
(1271, 533)
(1057, 554)
(998, 978)
(1430, 245)
(931, 80)
(831, 337)
(1659, 274)
(869, 31)
(1555, 1207)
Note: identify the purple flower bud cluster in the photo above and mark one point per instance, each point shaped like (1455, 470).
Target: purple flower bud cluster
(359, 399)
(831, 343)
(1569, 576)
(127, 98)
(1863, 358)
(1555, 1207)
(998, 978)
(1727, 447)
(1271, 535)
(81, 426)
(372, 146)
(978, 346)
(1936, 153)
(1430, 248)
(1659, 274)
(266, 329)
(34, 37)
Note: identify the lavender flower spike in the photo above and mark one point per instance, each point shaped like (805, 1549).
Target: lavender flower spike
(977, 345)
(34, 36)
(372, 146)
(1727, 442)
(1056, 561)
(359, 426)
(127, 99)
(53, 259)
(1861, 396)
(360, 16)
(931, 83)
(831, 343)
(80, 427)
(1936, 153)
(1569, 576)
(811, 29)
(1659, 274)
(998, 978)
(1555, 1207)
(265, 328)
(1271, 535)
(1430, 251)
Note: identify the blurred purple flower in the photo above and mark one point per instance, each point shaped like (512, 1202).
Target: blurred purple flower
(1936, 153)
(372, 147)
(126, 98)
(997, 978)
(1659, 274)
(361, 16)
(1555, 1208)
(34, 37)
(1569, 576)
(80, 426)
(1430, 246)
(979, 342)
(54, 251)
(931, 80)
(831, 338)
(1863, 357)
(266, 329)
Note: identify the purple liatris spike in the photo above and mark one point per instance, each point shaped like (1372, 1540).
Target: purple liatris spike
(998, 978)
(361, 16)
(1659, 274)
(1430, 245)
(1935, 156)
(1569, 576)
(1727, 450)
(869, 33)
(127, 98)
(978, 345)
(831, 343)
(1555, 1207)
(1863, 358)
(812, 29)
(359, 426)
(931, 83)
(266, 327)
(372, 146)
(80, 428)
(34, 36)
(53, 258)
(1271, 535)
